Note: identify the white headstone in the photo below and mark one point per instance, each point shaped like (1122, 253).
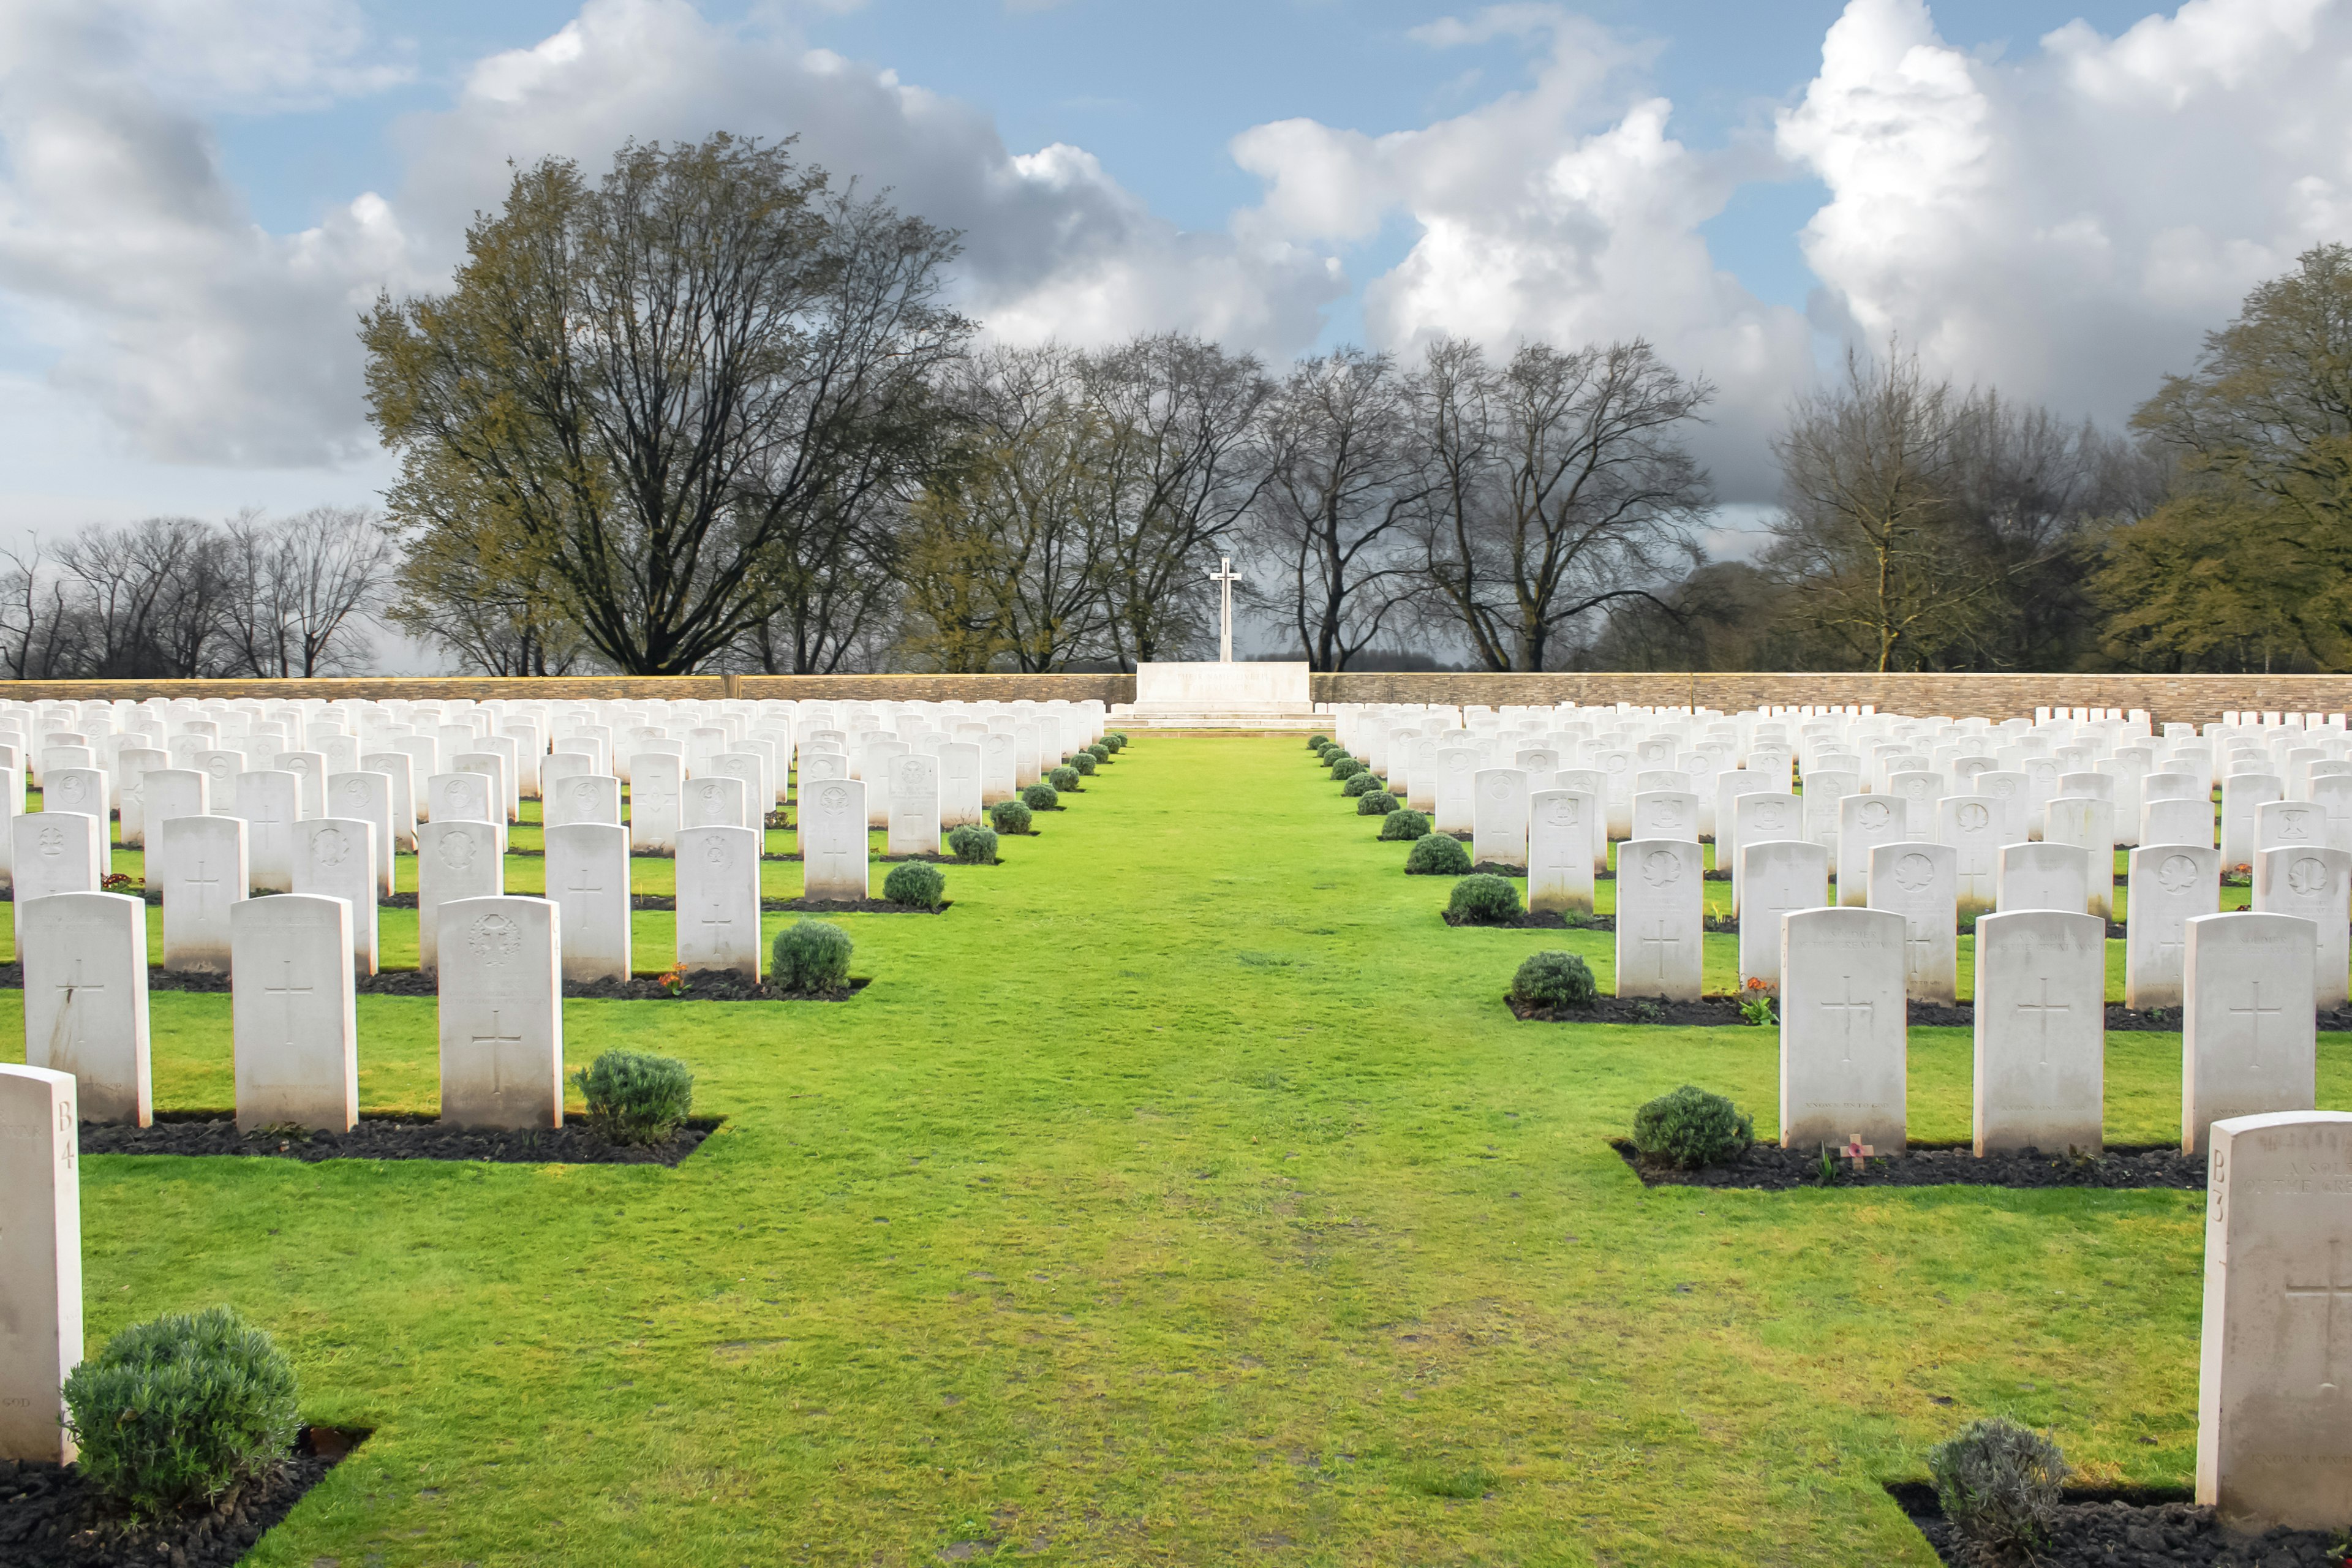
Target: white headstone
(2273, 1444)
(367, 796)
(1660, 902)
(914, 806)
(1457, 773)
(335, 857)
(1561, 826)
(1969, 824)
(657, 789)
(1842, 1030)
(713, 801)
(2243, 795)
(85, 960)
(2087, 823)
(1777, 877)
(1864, 822)
(501, 1010)
(268, 802)
(2040, 1031)
(2044, 877)
(399, 768)
(2177, 821)
(719, 901)
(40, 1260)
(1665, 814)
(2316, 885)
(454, 860)
(294, 1023)
(2171, 884)
(2247, 1045)
(588, 877)
(832, 841)
(997, 769)
(199, 863)
(57, 852)
(959, 786)
(460, 797)
(1914, 881)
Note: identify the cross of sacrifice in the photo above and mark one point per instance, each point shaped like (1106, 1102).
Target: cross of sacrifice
(1856, 1151)
(1848, 1008)
(290, 991)
(2042, 1011)
(2332, 1291)
(1225, 576)
(66, 1015)
(2253, 1013)
(1658, 939)
(494, 1040)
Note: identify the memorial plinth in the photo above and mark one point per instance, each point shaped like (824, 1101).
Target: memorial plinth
(1207, 695)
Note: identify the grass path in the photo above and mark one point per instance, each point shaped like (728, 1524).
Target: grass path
(1185, 1194)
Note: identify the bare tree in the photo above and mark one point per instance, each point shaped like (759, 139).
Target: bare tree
(1347, 476)
(1181, 468)
(43, 633)
(1563, 487)
(300, 590)
(152, 593)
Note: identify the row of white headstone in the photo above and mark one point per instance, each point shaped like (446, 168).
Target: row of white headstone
(293, 1014)
(277, 762)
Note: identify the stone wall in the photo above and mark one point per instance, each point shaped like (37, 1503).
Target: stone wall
(585, 687)
(2190, 699)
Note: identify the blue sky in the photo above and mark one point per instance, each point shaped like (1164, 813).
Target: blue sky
(196, 195)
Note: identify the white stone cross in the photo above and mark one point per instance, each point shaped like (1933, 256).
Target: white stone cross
(2333, 1291)
(1847, 1008)
(2253, 1014)
(1225, 577)
(1658, 939)
(2042, 1011)
(290, 991)
(69, 987)
(494, 1039)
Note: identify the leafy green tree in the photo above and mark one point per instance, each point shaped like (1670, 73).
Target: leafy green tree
(659, 383)
(2251, 559)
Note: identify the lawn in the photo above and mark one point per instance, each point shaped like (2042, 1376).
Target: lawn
(1185, 1194)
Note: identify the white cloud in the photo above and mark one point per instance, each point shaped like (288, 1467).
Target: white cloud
(2066, 224)
(1564, 211)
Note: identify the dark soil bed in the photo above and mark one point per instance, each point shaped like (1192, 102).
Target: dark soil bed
(1525, 919)
(2120, 1019)
(702, 988)
(2146, 1528)
(1768, 1168)
(212, 1132)
(51, 1517)
(1497, 868)
(853, 906)
(1706, 1011)
(767, 906)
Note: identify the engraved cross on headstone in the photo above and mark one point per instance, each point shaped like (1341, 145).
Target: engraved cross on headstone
(290, 991)
(69, 1015)
(1657, 938)
(2042, 1011)
(2253, 1013)
(2333, 1291)
(494, 1039)
(1848, 1008)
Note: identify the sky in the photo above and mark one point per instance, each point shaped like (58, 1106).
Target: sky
(199, 197)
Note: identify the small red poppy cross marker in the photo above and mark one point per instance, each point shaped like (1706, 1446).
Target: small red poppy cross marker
(1856, 1150)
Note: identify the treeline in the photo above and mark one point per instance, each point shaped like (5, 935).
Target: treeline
(176, 598)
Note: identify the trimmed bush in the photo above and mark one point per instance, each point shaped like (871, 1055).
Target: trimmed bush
(1064, 779)
(1316, 743)
(915, 883)
(1098, 752)
(972, 844)
(1041, 797)
(1083, 763)
(1554, 979)
(1359, 782)
(1999, 1484)
(183, 1410)
(1438, 854)
(636, 1097)
(1115, 741)
(1484, 899)
(1691, 1128)
(1010, 816)
(812, 955)
(1404, 824)
(1375, 803)
(1344, 766)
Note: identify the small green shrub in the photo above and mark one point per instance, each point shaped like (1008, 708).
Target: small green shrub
(1998, 1483)
(1438, 854)
(634, 1098)
(1082, 764)
(1064, 779)
(972, 844)
(1115, 741)
(1041, 797)
(1375, 803)
(1691, 1128)
(1359, 782)
(1098, 752)
(1554, 979)
(1010, 816)
(1316, 743)
(1344, 766)
(915, 883)
(1484, 899)
(1403, 824)
(812, 955)
(185, 1409)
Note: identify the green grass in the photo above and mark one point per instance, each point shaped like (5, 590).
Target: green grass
(1185, 1194)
